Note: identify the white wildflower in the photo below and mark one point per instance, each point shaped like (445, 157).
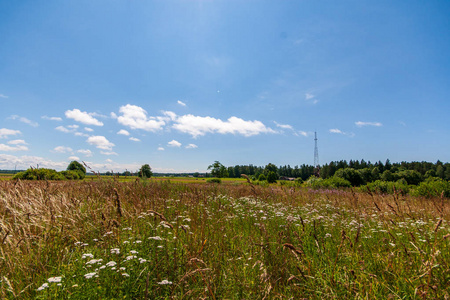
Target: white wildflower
(111, 264)
(87, 255)
(90, 275)
(54, 279)
(125, 274)
(156, 238)
(133, 252)
(43, 287)
(115, 251)
(165, 281)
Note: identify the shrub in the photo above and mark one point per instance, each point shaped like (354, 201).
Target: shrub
(72, 175)
(272, 177)
(262, 177)
(332, 182)
(39, 174)
(214, 180)
(433, 186)
(388, 187)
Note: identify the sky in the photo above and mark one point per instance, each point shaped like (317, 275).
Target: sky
(179, 84)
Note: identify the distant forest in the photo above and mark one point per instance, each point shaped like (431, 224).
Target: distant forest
(368, 171)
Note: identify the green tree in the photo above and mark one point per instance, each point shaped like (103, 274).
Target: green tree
(272, 177)
(145, 171)
(79, 168)
(218, 170)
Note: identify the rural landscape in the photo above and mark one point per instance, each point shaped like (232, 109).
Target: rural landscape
(225, 149)
(145, 237)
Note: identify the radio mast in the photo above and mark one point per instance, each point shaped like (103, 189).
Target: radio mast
(316, 156)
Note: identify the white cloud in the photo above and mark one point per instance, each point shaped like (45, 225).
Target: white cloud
(108, 153)
(3, 96)
(338, 131)
(24, 162)
(63, 129)
(303, 133)
(135, 117)
(335, 130)
(74, 158)
(160, 149)
(170, 114)
(51, 118)
(123, 132)
(191, 146)
(4, 147)
(309, 96)
(361, 124)
(62, 149)
(283, 126)
(83, 117)
(174, 143)
(113, 115)
(197, 126)
(85, 152)
(100, 142)
(17, 142)
(24, 120)
(88, 129)
(134, 139)
(181, 103)
(81, 134)
(4, 132)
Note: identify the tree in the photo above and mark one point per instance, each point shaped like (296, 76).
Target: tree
(145, 171)
(272, 177)
(79, 168)
(218, 170)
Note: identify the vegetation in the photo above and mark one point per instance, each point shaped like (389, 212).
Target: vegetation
(74, 171)
(145, 171)
(159, 240)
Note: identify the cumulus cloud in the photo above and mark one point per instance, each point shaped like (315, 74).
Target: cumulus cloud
(62, 149)
(4, 147)
(302, 133)
(24, 120)
(85, 152)
(181, 103)
(108, 153)
(134, 139)
(123, 132)
(191, 146)
(174, 143)
(17, 142)
(5, 132)
(136, 117)
(198, 126)
(160, 149)
(88, 129)
(361, 124)
(68, 129)
(24, 162)
(335, 130)
(51, 118)
(74, 158)
(83, 117)
(100, 142)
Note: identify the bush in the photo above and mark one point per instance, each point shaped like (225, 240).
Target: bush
(332, 182)
(214, 180)
(72, 175)
(387, 187)
(262, 177)
(433, 187)
(351, 175)
(39, 174)
(272, 177)
(79, 168)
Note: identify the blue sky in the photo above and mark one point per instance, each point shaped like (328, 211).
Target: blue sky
(180, 84)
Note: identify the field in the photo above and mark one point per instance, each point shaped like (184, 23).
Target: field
(187, 239)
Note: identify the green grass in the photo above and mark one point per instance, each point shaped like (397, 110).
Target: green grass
(160, 239)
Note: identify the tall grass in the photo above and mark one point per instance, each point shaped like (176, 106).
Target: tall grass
(161, 240)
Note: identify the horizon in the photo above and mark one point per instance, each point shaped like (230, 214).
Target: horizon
(180, 85)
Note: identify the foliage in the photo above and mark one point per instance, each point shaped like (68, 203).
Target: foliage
(332, 182)
(72, 175)
(76, 166)
(145, 171)
(351, 175)
(214, 180)
(218, 170)
(272, 177)
(433, 187)
(262, 177)
(388, 187)
(39, 174)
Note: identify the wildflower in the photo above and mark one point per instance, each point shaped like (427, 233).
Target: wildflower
(138, 242)
(111, 264)
(102, 267)
(54, 279)
(122, 269)
(327, 235)
(156, 238)
(126, 242)
(142, 260)
(87, 255)
(133, 252)
(94, 261)
(165, 281)
(130, 257)
(125, 274)
(115, 251)
(42, 287)
(90, 275)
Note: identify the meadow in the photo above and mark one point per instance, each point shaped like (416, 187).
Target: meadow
(188, 239)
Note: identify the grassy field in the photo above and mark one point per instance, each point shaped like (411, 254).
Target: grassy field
(174, 239)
